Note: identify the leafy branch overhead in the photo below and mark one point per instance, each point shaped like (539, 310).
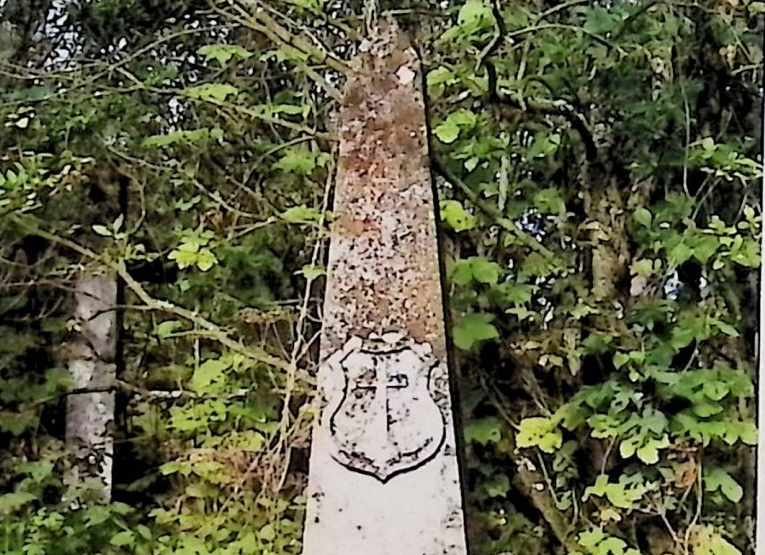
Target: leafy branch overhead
(598, 167)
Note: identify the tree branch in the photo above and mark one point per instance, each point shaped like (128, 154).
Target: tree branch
(530, 483)
(527, 482)
(547, 107)
(560, 108)
(490, 210)
(158, 394)
(261, 22)
(118, 266)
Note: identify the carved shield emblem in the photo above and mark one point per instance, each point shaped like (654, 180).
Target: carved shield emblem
(387, 421)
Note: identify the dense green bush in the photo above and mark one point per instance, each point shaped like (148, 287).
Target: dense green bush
(599, 177)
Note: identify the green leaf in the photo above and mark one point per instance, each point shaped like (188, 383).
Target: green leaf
(541, 432)
(438, 79)
(620, 494)
(536, 264)
(248, 543)
(167, 328)
(483, 431)
(102, 230)
(680, 253)
(450, 129)
(299, 160)
(447, 132)
(286, 53)
(461, 272)
(497, 487)
(223, 52)
(545, 145)
(485, 271)
(121, 508)
(748, 433)
(454, 214)
(474, 328)
(38, 470)
(311, 272)
(517, 293)
(612, 545)
(704, 247)
(301, 215)
(205, 259)
(643, 217)
(707, 541)
(620, 497)
(718, 479)
(464, 118)
(189, 254)
(144, 531)
(184, 258)
(10, 502)
(601, 21)
(120, 539)
(620, 359)
(440, 76)
(716, 391)
(16, 423)
(215, 91)
(267, 533)
(591, 538)
(598, 489)
(643, 267)
(656, 422)
(96, 515)
(706, 409)
(726, 328)
(648, 453)
(474, 15)
(209, 372)
(549, 201)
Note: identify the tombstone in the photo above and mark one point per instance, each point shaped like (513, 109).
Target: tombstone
(383, 472)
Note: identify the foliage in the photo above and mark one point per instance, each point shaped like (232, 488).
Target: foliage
(598, 172)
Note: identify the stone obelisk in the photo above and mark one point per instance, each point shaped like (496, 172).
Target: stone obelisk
(384, 475)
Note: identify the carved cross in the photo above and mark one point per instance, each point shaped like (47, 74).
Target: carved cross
(374, 380)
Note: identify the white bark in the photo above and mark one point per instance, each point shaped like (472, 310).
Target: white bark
(90, 415)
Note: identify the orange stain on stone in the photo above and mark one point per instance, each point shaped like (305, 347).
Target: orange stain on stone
(383, 270)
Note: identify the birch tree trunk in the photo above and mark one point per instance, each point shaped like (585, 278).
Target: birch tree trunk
(90, 406)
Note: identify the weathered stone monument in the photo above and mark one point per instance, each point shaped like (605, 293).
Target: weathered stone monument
(383, 476)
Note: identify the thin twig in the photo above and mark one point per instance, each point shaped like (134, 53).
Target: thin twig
(261, 22)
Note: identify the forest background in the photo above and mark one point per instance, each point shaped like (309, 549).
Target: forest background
(598, 170)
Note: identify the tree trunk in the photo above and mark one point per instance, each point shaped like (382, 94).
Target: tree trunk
(90, 406)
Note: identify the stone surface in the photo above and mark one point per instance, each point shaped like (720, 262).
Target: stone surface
(90, 414)
(384, 476)
(384, 420)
